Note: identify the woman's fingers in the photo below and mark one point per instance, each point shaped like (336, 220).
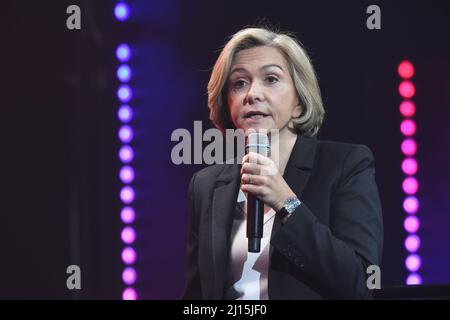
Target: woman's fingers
(252, 168)
(253, 179)
(253, 157)
(253, 189)
(257, 164)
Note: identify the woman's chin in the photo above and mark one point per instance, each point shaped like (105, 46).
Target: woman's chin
(260, 128)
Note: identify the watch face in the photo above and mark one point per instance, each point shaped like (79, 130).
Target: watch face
(291, 204)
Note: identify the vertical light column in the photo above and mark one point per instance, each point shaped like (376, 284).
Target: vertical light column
(410, 183)
(126, 155)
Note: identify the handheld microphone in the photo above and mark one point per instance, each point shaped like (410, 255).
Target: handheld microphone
(258, 143)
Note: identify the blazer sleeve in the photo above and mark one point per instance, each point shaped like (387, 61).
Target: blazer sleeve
(336, 257)
(193, 286)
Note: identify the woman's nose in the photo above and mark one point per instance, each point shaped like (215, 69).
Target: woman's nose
(255, 93)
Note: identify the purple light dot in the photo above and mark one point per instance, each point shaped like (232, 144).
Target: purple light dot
(411, 224)
(129, 294)
(129, 276)
(409, 147)
(409, 166)
(126, 154)
(413, 262)
(127, 194)
(410, 186)
(412, 243)
(408, 127)
(128, 215)
(124, 73)
(411, 205)
(123, 52)
(406, 89)
(126, 174)
(126, 134)
(125, 113)
(128, 255)
(407, 108)
(414, 279)
(122, 11)
(128, 235)
(124, 93)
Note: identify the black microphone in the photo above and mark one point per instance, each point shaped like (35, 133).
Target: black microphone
(258, 143)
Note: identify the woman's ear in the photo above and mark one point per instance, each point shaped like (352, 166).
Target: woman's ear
(297, 112)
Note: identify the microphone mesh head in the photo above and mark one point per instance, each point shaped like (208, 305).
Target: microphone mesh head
(259, 143)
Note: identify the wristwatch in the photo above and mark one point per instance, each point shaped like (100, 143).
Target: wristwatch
(289, 207)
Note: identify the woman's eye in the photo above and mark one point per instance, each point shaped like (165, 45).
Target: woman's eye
(239, 84)
(272, 79)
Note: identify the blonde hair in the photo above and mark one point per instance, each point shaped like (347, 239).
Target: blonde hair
(300, 68)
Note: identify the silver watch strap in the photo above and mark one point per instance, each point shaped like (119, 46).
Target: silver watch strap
(291, 204)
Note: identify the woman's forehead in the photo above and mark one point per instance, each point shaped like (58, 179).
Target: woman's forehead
(258, 58)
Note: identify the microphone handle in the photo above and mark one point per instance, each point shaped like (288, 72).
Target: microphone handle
(255, 213)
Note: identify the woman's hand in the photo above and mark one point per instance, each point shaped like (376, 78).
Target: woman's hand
(260, 177)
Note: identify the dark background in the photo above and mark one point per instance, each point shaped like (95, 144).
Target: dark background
(60, 167)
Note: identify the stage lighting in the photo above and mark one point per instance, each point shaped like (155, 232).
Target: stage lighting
(126, 174)
(411, 224)
(413, 262)
(411, 205)
(412, 243)
(129, 294)
(128, 235)
(126, 134)
(127, 215)
(128, 255)
(127, 194)
(129, 276)
(410, 185)
(407, 108)
(121, 11)
(405, 69)
(126, 154)
(123, 52)
(408, 127)
(406, 89)
(409, 166)
(409, 147)
(125, 113)
(124, 73)
(124, 93)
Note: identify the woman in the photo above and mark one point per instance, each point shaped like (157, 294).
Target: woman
(322, 221)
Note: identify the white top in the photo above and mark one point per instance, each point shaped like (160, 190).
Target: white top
(248, 272)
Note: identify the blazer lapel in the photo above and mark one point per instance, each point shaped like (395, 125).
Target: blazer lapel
(223, 206)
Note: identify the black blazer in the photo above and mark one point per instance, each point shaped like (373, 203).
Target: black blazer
(324, 248)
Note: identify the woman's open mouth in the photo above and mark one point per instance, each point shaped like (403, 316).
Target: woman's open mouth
(255, 115)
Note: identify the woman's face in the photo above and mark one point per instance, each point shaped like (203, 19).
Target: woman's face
(261, 93)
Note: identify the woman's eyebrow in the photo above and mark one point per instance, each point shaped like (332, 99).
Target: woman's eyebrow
(235, 70)
(267, 66)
